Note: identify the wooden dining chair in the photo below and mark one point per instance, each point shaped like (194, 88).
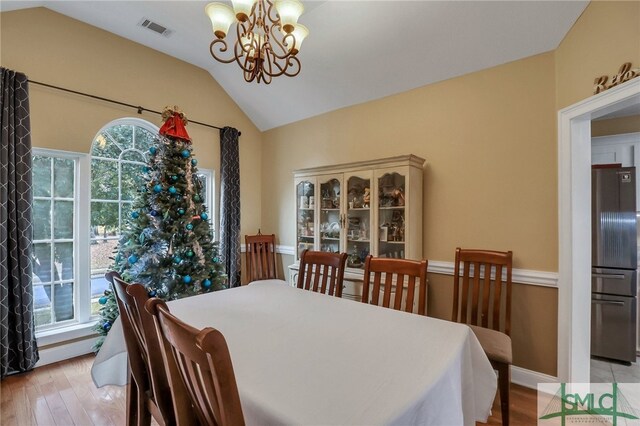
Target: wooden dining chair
(322, 272)
(482, 299)
(396, 273)
(261, 257)
(148, 392)
(203, 365)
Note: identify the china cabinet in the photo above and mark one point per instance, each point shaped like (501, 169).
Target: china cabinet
(370, 207)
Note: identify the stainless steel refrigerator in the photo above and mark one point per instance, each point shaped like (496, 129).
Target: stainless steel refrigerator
(614, 263)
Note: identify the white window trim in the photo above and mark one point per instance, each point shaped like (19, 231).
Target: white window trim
(80, 255)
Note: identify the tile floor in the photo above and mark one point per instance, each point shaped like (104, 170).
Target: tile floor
(608, 372)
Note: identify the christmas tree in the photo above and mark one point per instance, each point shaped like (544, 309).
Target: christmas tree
(167, 244)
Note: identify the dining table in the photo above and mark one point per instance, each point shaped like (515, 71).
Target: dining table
(305, 358)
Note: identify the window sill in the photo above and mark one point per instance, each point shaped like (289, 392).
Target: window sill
(63, 334)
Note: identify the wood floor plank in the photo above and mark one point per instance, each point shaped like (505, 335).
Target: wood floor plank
(56, 405)
(39, 405)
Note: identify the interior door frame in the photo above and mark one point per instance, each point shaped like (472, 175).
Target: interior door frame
(574, 226)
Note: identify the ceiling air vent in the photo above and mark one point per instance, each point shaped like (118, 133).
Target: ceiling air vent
(155, 27)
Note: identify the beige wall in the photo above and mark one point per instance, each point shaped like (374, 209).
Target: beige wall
(615, 126)
(606, 36)
(490, 175)
(55, 49)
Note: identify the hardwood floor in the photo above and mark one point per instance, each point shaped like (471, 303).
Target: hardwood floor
(64, 394)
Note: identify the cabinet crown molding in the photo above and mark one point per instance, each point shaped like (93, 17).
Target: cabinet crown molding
(400, 160)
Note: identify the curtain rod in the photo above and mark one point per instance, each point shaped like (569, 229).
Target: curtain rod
(138, 108)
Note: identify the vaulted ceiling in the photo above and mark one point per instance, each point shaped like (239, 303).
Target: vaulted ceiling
(357, 51)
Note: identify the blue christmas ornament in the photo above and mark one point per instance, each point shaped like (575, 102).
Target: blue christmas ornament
(204, 216)
(152, 293)
(177, 259)
(135, 214)
(216, 259)
(189, 226)
(153, 213)
(190, 253)
(186, 279)
(196, 197)
(103, 300)
(194, 162)
(146, 169)
(133, 258)
(206, 283)
(106, 326)
(173, 190)
(174, 178)
(157, 188)
(180, 211)
(186, 153)
(153, 150)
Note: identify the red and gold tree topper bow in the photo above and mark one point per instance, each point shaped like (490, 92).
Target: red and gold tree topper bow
(174, 124)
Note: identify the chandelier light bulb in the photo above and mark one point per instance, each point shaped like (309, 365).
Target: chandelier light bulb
(222, 17)
(243, 9)
(300, 33)
(289, 12)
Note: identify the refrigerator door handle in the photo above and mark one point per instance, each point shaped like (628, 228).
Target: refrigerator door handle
(610, 276)
(608, 302)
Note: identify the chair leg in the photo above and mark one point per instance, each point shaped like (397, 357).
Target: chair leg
(504, 378)
(132, 394)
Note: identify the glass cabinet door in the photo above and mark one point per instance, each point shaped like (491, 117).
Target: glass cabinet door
(358, 222)
(305, 215)
(330, 217)
(391, 215)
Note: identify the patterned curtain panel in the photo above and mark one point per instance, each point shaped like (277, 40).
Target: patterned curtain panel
(18, 350)
(230, 203)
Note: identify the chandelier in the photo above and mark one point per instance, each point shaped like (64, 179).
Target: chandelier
(268, 37)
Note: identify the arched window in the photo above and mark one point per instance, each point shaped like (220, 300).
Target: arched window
(118, 155)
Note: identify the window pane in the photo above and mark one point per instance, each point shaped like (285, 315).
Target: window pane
(132, 155)
(42, 304)
(42, 262)
(98, 285)
(41, 176)
(104, 218)
(131, 180)
(104, 147)
(144, 139)
(63, 177)
(63, 219)
(123, 135)
(64, 260)
(104, 180)
(63, 301)
(42, 222)
(101, 254)
(126, 214)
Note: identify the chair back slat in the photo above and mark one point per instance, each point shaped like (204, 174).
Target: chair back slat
(260, 254)
(322, 272)
(143, 346)
(204, 365)
(484, 296)
(396, 273)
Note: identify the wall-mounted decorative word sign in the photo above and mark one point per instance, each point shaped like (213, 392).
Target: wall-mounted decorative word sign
(625, 73)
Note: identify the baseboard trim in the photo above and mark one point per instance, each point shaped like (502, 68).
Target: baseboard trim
(56, 353)
(528, 378)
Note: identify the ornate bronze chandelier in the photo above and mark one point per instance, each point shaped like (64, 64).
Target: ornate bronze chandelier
(268, 37)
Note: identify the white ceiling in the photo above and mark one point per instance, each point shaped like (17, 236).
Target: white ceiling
(356, 51)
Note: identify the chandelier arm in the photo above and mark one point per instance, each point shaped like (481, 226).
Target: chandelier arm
(292, 63)
(274, 19)
(243, 61)
(285, 50)
(223, 48)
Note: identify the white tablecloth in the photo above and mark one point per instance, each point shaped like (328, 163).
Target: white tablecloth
(305, 358)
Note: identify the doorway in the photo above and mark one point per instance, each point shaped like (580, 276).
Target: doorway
(574, 225)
